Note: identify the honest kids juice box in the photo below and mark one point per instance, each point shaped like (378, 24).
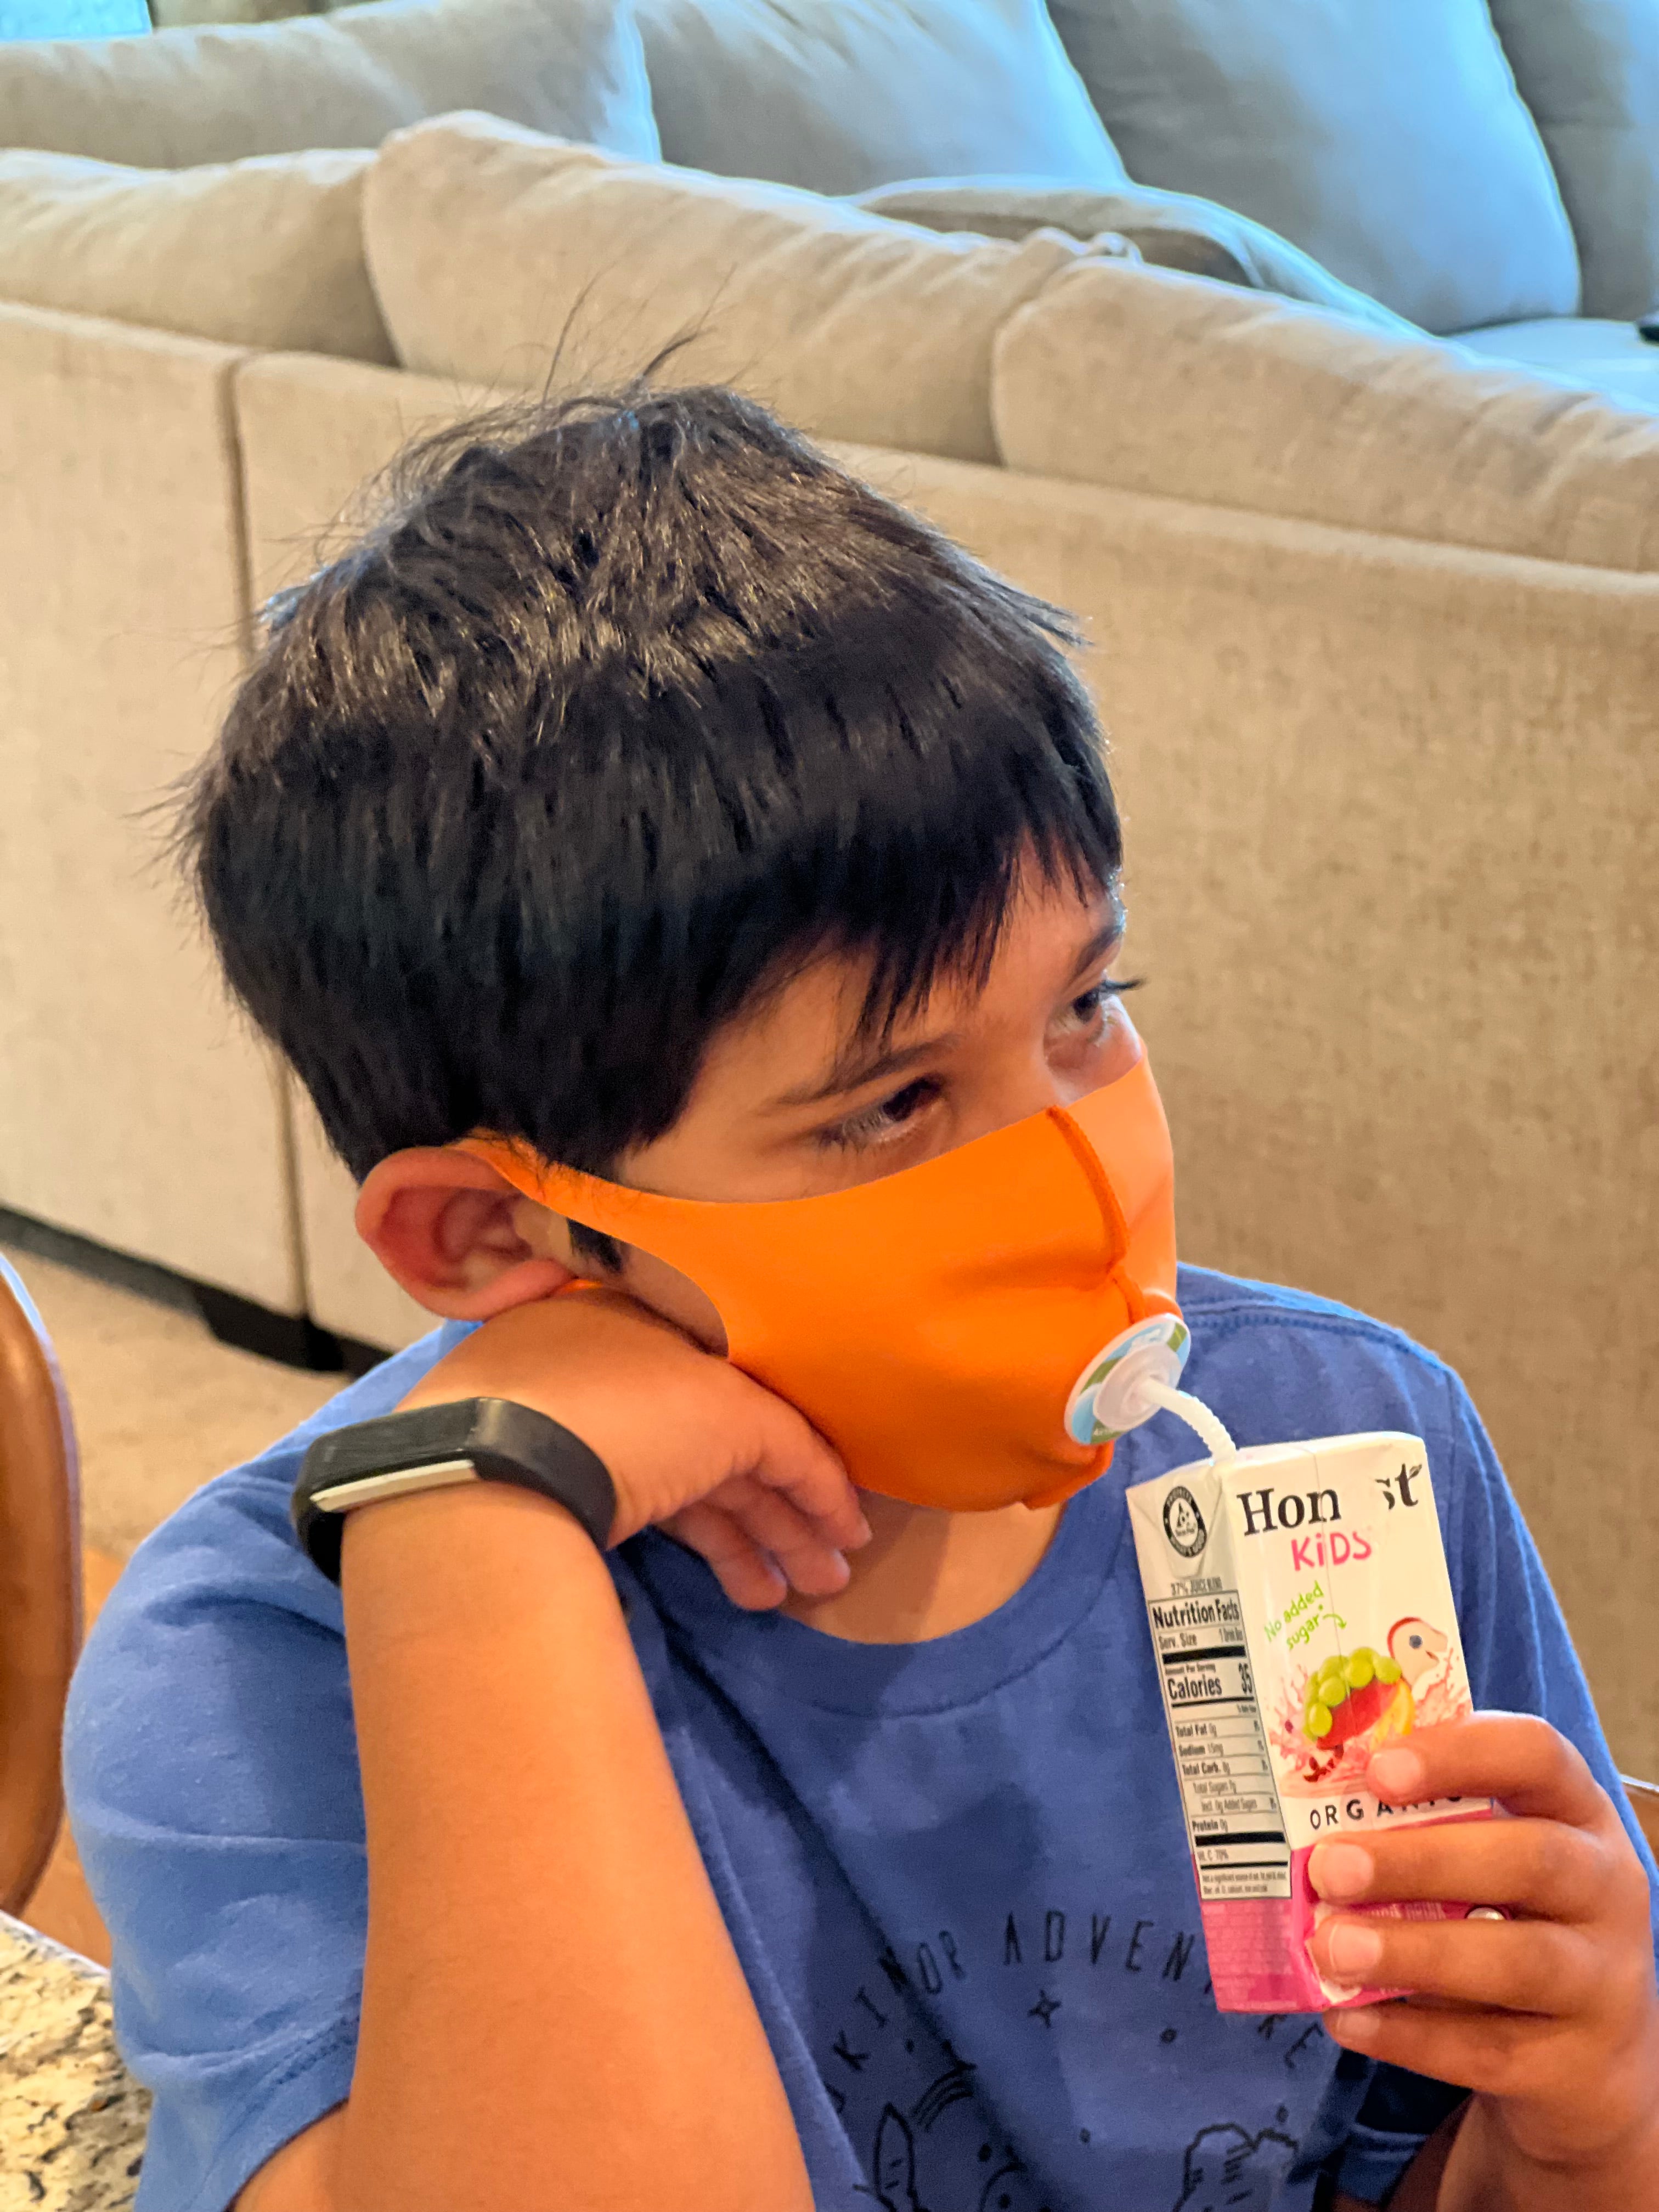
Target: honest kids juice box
(1301, 1614)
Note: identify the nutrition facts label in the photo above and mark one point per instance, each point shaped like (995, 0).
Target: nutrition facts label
(1227, 1790)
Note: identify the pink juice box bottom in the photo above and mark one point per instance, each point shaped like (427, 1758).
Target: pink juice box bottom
(1301, 1617)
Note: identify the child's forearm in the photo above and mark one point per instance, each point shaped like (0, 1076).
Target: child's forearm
(553, 2012)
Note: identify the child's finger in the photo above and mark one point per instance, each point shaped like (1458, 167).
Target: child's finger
(811, 1563)
(749, 1577)
(1530, 1767)
(791, 1457)
(1539, 1867)
(1494, 2053)
(1509, 1965)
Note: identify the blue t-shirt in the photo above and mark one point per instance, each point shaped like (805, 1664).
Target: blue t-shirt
(955, 1872)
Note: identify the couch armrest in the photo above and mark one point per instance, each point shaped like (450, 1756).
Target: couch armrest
(72, 2119)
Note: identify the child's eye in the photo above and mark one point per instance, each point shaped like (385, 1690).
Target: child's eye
(1087, 1009)
(882, 1122)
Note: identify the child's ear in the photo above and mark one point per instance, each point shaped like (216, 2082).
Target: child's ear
(457, 1236)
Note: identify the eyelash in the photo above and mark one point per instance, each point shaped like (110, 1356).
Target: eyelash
(873, 1125)
(1096, 1000)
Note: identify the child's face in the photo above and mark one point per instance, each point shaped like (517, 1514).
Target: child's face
(791, 1102)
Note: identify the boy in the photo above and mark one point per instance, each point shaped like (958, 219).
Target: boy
(649, 794)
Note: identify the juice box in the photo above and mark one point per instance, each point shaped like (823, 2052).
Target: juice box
(1300, 1615)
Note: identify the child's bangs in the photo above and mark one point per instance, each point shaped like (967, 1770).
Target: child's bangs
(908, 839)
(950, 902)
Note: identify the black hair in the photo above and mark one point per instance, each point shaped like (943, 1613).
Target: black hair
(628, 706)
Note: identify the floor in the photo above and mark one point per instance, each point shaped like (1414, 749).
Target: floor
(159, 1408)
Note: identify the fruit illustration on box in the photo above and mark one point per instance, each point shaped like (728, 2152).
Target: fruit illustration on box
(1367, 1694)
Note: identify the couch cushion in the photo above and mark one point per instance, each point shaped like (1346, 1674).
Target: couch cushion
(1171, 230)
(1387, 140)
(1610, 358)
(840, 97)
(492, 251)
(265, 252)
(1588, 69)
(215, 94)
(1151, 381)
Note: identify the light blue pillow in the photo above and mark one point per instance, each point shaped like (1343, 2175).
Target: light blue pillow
(73, 19)
(838, 96)
(1385, 138)
(1588, 69)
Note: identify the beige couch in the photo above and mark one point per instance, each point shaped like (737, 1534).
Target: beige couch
(1374, 630)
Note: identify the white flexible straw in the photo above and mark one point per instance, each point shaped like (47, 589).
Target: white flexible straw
(1195, 1413)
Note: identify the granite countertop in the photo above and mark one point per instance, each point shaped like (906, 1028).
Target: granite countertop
(72, 2119)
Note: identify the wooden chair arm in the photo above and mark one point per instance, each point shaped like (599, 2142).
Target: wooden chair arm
(39, 1589)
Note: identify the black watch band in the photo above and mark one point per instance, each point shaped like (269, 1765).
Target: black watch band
(476, 1439)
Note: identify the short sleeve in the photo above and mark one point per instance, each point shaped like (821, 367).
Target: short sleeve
(211, 1770)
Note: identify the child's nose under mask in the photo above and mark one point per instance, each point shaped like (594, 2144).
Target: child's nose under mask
(937, 1326)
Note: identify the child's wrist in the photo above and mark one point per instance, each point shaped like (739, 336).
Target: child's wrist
(1510, 2157)
(471, 1559)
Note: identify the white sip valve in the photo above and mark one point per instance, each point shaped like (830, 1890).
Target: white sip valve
(1136, 1375)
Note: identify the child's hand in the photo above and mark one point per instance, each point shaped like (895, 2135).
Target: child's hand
(693, 1444)
(1551, 2016)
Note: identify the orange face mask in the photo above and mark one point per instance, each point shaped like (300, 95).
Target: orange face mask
(941, 1326)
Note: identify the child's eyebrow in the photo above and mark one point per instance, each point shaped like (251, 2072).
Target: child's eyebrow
(1105, 939)
(851, 1069)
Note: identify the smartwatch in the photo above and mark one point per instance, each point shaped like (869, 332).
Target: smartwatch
(432, 1447)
